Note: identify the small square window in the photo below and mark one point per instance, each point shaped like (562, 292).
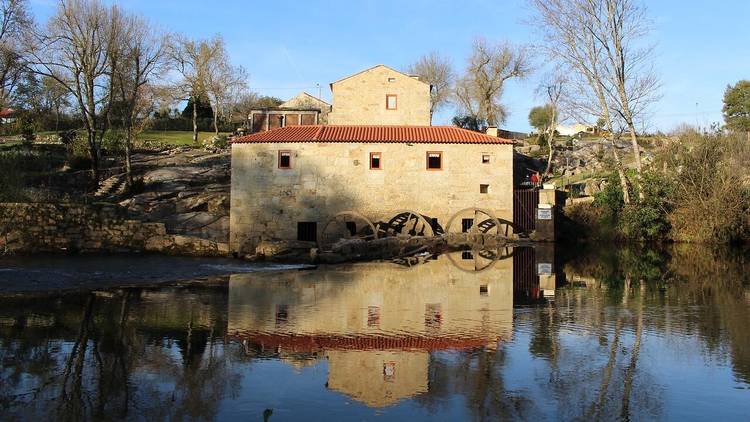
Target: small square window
(375, 161)
(285, 159)
(484, 290)
(391, 102)
(467, 255)
(484, 188)
(466, 224)
(307, 231)
(391, 79)
(485, 158)
(434, 160)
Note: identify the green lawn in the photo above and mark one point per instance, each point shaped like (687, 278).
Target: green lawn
(174, 137)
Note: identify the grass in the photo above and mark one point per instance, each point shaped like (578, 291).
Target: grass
(174, 137)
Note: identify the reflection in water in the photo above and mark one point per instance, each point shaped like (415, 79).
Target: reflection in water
(525, 333)
(374, 324)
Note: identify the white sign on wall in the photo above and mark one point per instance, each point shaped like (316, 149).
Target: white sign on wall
(544, 214)
(543, 268)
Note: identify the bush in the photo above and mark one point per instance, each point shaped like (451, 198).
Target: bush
(643, 222)
(113, 142)
(216, 143)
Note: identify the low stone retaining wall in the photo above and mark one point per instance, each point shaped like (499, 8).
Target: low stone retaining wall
(32, 228)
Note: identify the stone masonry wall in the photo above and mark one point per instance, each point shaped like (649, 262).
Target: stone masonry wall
(31, 228)
(360, 99)
(268, 202)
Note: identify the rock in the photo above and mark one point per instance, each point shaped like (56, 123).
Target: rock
(285, 250)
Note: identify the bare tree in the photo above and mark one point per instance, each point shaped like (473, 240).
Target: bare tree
(620, 27)
(195, 61)
(142, 51)
(602, 41)
(490, 65)
(74, 49)
(14, 21)
(55, 97)
(437, 71)
(578, 52)
(222, 81)
(552, 89)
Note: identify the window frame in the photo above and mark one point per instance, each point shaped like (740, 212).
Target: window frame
(395, 97)
(380, 160)
(281, 152)
(488, 158)
(484, 188)
(427, 158)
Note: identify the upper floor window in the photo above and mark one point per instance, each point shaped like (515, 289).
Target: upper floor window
(391, 79)
(485, 158)
(375, 161)
(285, 159)
(434, 160)
(391, 102)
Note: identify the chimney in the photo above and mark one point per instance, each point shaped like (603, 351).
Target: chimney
(492, 131)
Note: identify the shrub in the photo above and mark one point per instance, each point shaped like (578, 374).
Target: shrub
(215, 143)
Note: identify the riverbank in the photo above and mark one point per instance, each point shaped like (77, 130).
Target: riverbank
(53, 272)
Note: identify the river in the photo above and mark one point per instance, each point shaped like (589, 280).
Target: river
(603, 332)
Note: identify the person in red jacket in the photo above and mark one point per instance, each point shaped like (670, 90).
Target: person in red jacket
(535, 179)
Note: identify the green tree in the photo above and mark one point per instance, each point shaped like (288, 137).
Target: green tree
(470, 122)
(203, 109)
(737, 107)
(540, 117)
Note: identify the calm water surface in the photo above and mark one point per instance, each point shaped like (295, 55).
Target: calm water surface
(531, 334)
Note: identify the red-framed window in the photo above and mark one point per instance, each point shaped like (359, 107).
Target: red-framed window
(376, 161)
(285, 159)
(434, 160)
(391, 102)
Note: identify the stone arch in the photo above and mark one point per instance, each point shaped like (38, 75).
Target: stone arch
(354, 215)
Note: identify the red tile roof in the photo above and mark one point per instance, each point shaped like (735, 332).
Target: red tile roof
(316, 342)
(379, 134)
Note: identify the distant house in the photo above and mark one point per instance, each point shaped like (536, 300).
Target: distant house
(380, 96)
(7, 115)
(572, 130)
(303, 109)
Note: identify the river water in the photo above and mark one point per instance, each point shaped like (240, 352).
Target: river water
(603, 332)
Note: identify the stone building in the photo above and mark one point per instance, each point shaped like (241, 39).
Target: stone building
(303, 109)
(289, 182)
(376, 326)
(380, 96)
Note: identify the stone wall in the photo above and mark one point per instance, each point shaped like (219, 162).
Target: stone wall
(360, 99)
(32, 228)
(325, 179)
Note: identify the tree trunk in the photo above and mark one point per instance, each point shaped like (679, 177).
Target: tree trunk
(128, 168)
(621, 173)
(550, 143)
(636, 148)
(216, 121)
(94, 153)
(195, 120)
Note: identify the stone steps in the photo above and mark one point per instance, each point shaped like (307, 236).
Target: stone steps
(113, 186)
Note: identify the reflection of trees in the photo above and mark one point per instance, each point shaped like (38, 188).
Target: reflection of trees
(109, 345)
(671, 285)
(478, 376)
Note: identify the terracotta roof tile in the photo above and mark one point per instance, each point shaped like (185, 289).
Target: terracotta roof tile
(378, 134)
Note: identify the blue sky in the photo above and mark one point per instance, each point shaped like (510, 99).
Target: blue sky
(289, 46)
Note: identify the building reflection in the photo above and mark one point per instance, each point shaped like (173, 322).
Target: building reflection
(376, 324)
